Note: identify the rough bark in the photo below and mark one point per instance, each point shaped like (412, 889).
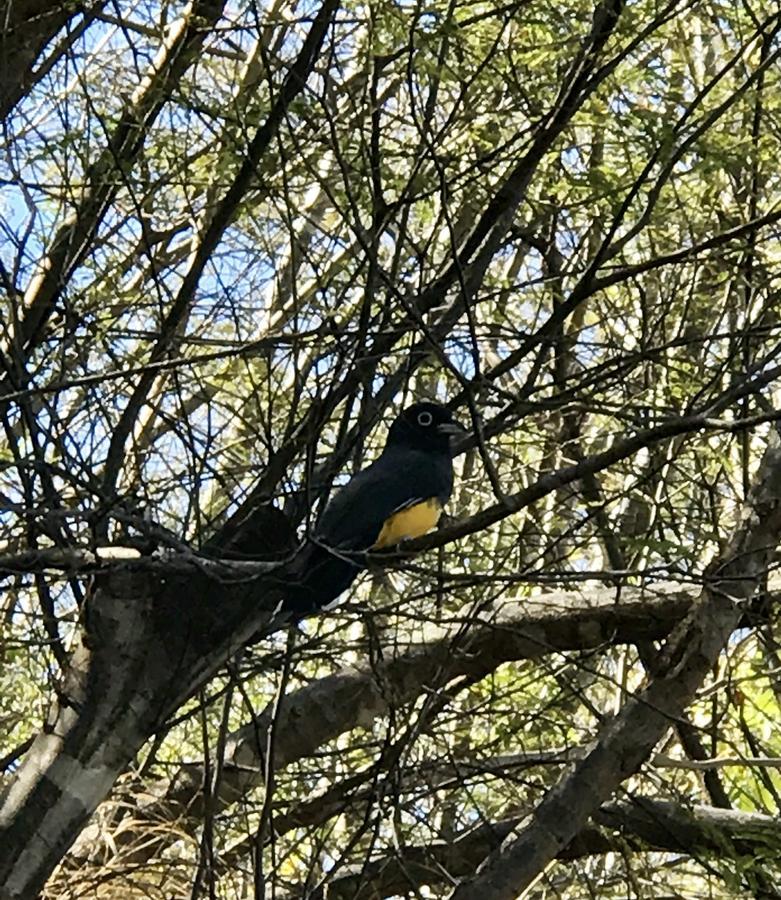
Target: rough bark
(148, 641)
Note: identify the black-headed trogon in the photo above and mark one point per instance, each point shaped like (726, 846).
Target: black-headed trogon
(400, 495)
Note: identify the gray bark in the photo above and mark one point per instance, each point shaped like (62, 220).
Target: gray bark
(147, 643)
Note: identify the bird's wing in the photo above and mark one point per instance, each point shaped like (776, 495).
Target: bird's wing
(411, 501)
(399, 479)
(356, 518)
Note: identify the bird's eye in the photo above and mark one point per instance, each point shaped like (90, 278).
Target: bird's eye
(425, 419)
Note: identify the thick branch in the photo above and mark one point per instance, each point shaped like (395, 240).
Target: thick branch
(640, 825)
(312, 716)
(26, 28)
(148, 641)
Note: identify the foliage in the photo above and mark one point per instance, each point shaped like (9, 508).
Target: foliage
(572, 236)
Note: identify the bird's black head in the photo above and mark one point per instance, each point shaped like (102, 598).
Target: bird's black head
(424, 426)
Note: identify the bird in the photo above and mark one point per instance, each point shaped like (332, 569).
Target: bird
(399, 496)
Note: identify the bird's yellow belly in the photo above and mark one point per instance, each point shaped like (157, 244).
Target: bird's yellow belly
(409, 523)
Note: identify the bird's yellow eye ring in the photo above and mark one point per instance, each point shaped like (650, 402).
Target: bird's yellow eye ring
(425, 419)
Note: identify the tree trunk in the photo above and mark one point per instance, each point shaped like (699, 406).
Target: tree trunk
(148, 642)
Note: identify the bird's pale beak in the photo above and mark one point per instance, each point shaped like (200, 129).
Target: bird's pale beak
(450, 428)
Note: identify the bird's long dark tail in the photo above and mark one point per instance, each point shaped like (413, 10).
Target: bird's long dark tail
(317, 577)
(314, 579)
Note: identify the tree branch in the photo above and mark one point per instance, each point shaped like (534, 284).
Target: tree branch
(27, 27)
(311, 716)
(72, 241)
(640, 825)
(628, 740)
(293, 84)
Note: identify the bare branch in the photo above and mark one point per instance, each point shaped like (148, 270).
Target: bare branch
(72, 241)
(626, 742)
